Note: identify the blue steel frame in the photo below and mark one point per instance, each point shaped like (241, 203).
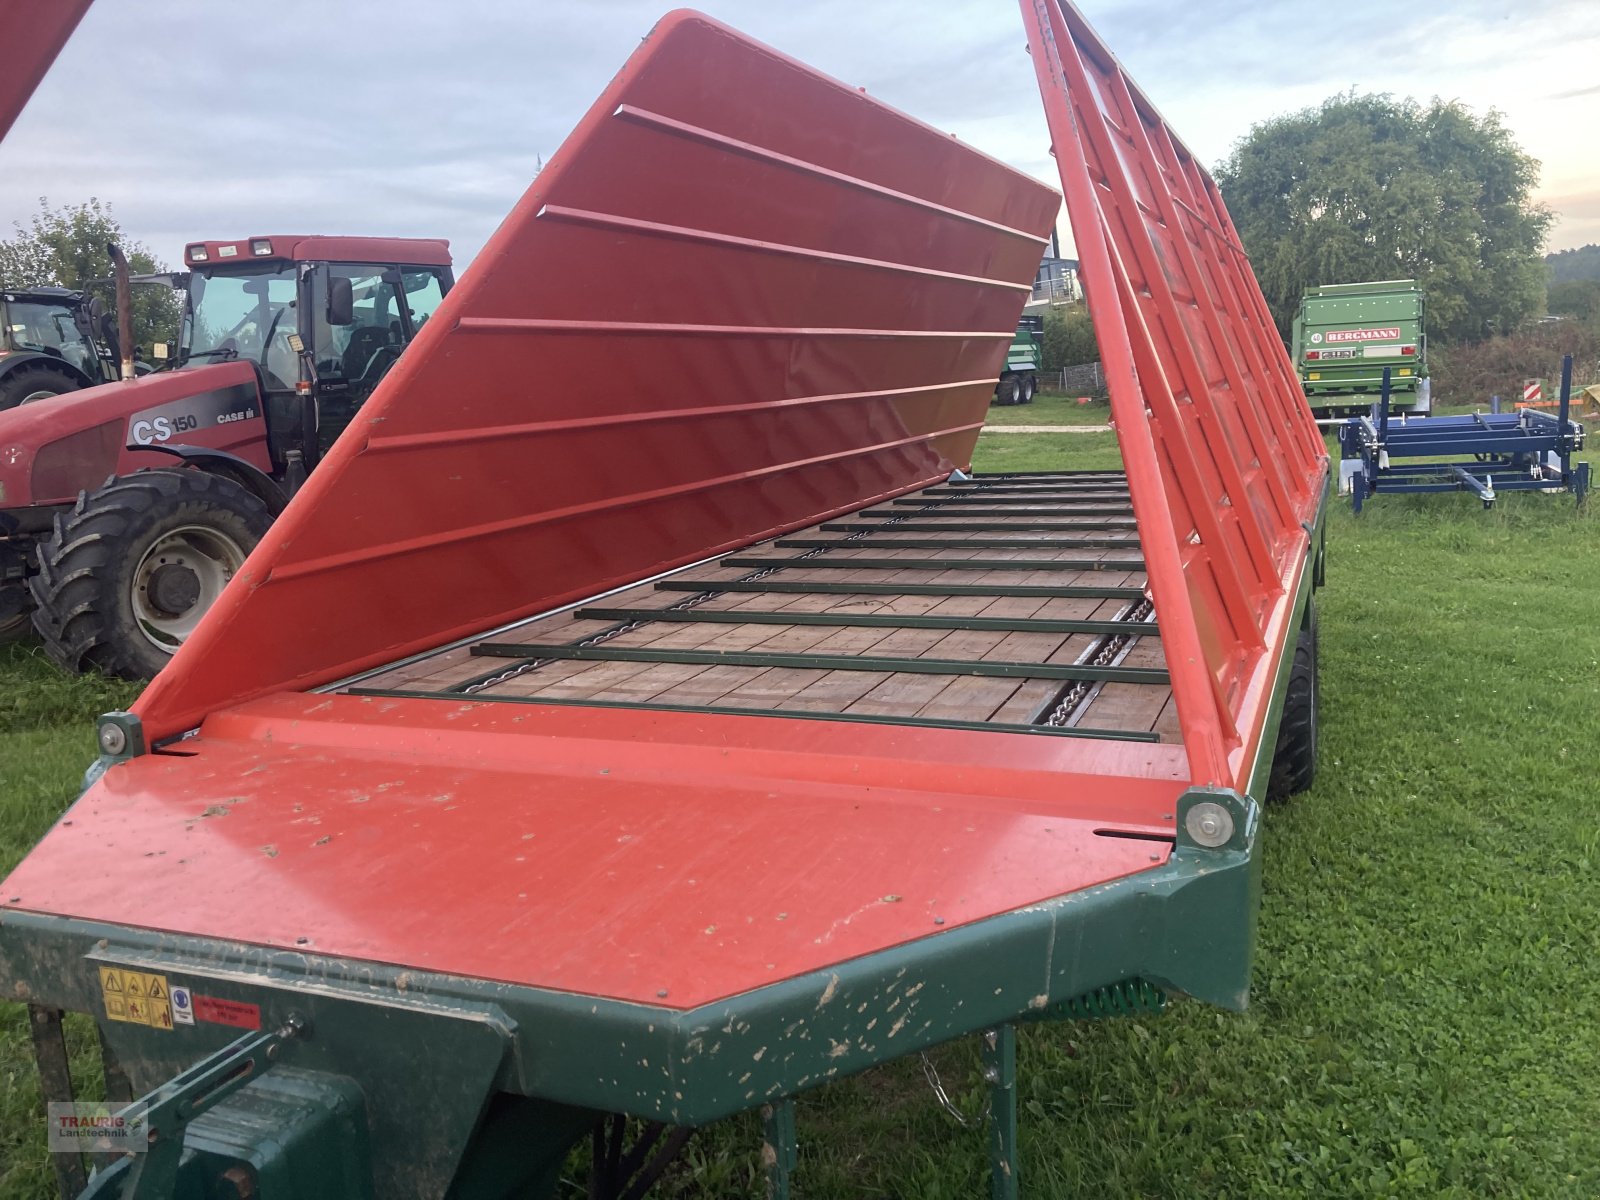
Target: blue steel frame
(1511, 452)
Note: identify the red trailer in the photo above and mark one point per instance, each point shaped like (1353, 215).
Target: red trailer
(666, 744)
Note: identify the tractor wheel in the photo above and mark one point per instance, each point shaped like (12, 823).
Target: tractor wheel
(1030, 387)
(1294, 761)
(126, 576)
(28, 384)
(1008, 391)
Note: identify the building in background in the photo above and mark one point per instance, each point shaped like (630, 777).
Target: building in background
(1057, 280)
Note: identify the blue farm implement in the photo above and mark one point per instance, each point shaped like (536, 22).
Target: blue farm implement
(1482, 453)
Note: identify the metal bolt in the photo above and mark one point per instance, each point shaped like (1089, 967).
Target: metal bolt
(113, 738)
(301, 941)
(1209, 824)
(991, 1075)
(662, 993)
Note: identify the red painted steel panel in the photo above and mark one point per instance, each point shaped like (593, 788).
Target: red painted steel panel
(742, 297)
(1225, 464)
(602, 852)
(32, 33)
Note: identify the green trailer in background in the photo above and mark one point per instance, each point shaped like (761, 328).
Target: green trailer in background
(1019, 380)
(1346, 334)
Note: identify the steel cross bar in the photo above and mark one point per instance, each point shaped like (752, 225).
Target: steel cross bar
(980, 511)
(877, 620)
(611, 652)
(935, 523)
(942, 564)
(801, 714)
(1027, 489)
(843, 587)
(955, 543)
(965, 500)
(984, 476)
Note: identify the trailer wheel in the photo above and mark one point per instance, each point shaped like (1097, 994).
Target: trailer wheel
(27, 384)
(1008, 391)
(1030, 386)
(1294, 760)
(126, 576)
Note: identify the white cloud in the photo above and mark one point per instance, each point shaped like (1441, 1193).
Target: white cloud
(426, 119)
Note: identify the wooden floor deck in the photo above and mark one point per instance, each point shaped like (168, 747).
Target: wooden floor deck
(1008, 601)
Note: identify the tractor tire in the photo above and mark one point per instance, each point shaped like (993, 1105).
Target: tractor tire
(124, 578)
(1030, 388)
(27, 384)
(1294, 759)
(1008, 391)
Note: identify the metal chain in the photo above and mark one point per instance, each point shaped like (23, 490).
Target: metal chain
(931, 1074)
(694, 601)
(1101, 654)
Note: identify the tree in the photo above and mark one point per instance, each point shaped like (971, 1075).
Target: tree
(1068, 338)
(66, 247)
(1578, 298)
(1369, 187)
(1570, 265)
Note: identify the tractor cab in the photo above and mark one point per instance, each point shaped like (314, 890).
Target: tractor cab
(321, 318)
(51, 342)
(126, 508)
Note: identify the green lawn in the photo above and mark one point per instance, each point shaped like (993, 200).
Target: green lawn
(1426, 992)
(1051, 408)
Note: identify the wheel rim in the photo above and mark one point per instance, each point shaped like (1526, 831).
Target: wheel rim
(178, 578)
(39, 395)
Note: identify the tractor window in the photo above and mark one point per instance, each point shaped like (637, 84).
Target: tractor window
(352, 359)
(246, 316)
(424, 290)
(49, 329)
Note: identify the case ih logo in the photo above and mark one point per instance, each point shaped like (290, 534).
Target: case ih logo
(1365, 335)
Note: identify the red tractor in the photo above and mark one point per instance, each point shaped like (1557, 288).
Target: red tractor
(125, 508)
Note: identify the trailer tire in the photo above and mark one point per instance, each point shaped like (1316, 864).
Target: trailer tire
(1294, 759)
(1008, 392)
(127, 573)
(1030, 387)
(27, 384)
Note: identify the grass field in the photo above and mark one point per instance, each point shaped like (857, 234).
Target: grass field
(1426, 996)
(1051, 408)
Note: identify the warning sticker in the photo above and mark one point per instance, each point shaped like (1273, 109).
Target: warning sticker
(182, 1005)
(137, 997)
(227, 1012)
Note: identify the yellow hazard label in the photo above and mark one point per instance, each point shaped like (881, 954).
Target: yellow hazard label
(136, 997)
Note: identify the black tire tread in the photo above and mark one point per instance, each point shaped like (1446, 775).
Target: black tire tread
(19, 383)
(1294, 759)
(72, 591)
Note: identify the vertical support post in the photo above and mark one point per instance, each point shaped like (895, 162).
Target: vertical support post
(1494, 404)
(780, 1147)
(55, 1084)
(1383, 409)
(1563, 412)
(1000, 1071)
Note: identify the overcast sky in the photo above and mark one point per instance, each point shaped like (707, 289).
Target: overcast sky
(195, 118)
